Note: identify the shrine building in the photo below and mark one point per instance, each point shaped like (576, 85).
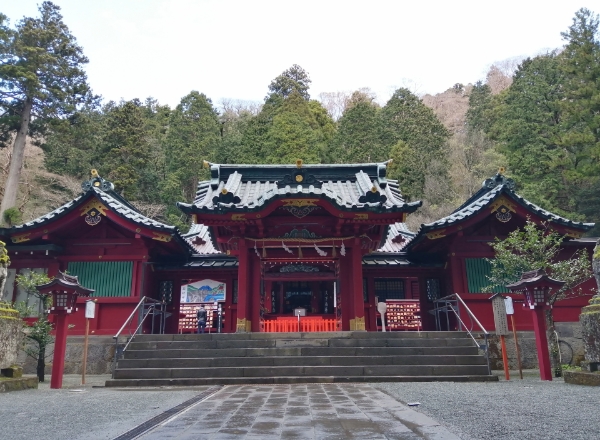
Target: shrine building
(269, 242)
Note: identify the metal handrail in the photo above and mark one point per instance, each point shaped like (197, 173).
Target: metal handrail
(450, 304)
(146, 307)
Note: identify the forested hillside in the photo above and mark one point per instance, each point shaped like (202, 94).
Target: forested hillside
(538, 117)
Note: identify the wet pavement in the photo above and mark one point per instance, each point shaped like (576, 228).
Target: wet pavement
(301, 411)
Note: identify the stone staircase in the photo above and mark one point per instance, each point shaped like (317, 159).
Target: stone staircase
(282, 358)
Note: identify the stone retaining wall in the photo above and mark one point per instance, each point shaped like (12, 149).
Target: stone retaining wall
(11, 336)
(99, 361)
(570, 341)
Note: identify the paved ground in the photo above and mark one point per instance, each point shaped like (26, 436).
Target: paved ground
(303, 411)
(519, 410)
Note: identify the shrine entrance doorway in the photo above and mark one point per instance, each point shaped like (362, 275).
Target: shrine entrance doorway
(316, 297)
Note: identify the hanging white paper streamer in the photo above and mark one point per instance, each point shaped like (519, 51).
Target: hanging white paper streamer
(320, 251)
(343, 250)
(285, 248)
(256, 250)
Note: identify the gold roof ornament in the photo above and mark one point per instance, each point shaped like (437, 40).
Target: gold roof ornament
(501, 170)
(95, 173)
(299, 163)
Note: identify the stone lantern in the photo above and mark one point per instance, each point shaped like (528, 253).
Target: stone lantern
(64, 290)
(536, 286)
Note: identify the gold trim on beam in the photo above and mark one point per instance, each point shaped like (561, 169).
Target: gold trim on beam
(361, 216)
(573, 234)
(239, 217)
(159, 236)
(93, 204)
(436, 234)
(20, 238)
(503, 201)
(299, 203)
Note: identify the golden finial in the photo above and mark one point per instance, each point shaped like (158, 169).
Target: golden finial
(501, 170)
(95, 173)
(205, 164)
(299, 163)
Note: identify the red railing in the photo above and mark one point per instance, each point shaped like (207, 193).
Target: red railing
(283, 325)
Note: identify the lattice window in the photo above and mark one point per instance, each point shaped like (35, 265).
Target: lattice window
(478, 270)
(433, 289)
(389, 288)
(165, 291)
(234, 291)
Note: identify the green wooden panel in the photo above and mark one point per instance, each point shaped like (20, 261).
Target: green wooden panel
(107, 278)
(478, 269)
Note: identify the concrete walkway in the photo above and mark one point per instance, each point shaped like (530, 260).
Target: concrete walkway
(307, 411)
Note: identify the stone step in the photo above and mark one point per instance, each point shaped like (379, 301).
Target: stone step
(299, 371)
(292, 380)
(300, 351)
(313, 335)
(219, 362)
(272, 343)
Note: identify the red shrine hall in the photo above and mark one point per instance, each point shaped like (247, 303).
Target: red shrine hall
(270, 242)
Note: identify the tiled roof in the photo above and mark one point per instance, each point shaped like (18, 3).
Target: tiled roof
(200, 239)
(398, 235)
(104, 191)
(110, 200)
(248, 188)
(491, 190)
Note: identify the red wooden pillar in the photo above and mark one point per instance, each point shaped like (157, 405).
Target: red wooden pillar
(356, 276)
(60, 348)
(243, 307)
(254, 292)
(541, 341)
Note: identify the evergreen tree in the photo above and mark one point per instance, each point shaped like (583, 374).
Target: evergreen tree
(480, 105)
(357, 139)
(193, 136)
(528, 128)
(294, 133)
(294, 79)
(417, 137)
(125, 150)
(580, 135)
(41, 78)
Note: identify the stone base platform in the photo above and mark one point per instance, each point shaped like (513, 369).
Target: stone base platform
(582, 378)
(18, 384)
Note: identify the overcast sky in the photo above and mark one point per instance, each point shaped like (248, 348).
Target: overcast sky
(233, 49)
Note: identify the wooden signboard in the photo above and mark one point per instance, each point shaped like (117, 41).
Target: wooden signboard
(500, 315)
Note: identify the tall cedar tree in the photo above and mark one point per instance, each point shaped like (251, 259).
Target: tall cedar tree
(581, 106)
(294, 79)
(528, 129)
(193, 136)
(41, 77)
(480, 105)
(289, 125)
(294, 133)
(125, 150)
(416, 137)
(357, 139)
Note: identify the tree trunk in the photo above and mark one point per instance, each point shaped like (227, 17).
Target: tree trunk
(596, 265)
(3, 276)
(553, 347)
(41, 363)
(16, 161)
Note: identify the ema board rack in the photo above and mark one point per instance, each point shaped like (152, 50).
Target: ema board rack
(403, 314)
(188, 322)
